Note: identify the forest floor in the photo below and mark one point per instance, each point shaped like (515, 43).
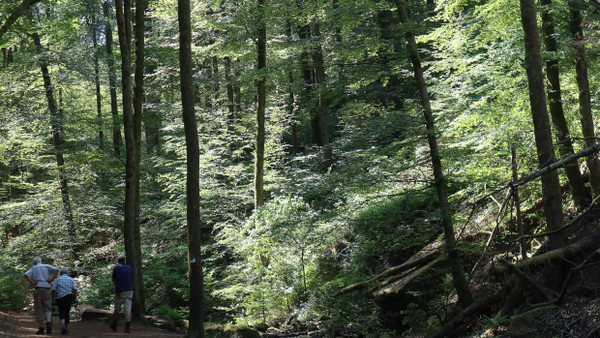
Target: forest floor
(23, 325)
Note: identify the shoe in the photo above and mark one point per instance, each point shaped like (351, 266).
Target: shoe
(127, 328)
(48, 328)
(113, 326)
(40, 331)
(63, 330)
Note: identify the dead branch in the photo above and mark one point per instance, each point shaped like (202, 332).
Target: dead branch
(543, 291)
(584, 244)
(416, 260)
(454, 326)
(556, 165)
(571, 223)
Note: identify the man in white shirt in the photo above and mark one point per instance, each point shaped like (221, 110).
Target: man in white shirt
(41, 277)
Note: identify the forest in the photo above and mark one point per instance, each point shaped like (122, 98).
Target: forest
(328, 168)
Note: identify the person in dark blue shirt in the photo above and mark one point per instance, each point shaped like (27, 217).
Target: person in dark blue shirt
(122, 278)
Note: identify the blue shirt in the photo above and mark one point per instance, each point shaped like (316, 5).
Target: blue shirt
(64, 285)
(122, 276)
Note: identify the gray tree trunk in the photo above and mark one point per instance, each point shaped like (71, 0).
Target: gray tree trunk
(458, 274)
(541, 121)
(194, 233)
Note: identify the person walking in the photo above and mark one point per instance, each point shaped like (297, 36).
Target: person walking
(122, 278)
(65, 291)
(40, 276)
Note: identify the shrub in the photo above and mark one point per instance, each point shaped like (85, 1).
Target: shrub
(171, 314)
(13, 293)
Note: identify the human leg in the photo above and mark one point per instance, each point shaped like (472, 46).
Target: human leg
(127, 302)
(39, 312)
(46, 300)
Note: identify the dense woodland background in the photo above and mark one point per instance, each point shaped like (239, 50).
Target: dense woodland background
(299, 233)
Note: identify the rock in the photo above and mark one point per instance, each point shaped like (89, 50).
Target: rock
(90, 312)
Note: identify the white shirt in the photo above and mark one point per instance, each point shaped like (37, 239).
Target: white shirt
(40, 274)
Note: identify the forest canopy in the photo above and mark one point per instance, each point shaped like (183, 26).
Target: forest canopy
(351, 168)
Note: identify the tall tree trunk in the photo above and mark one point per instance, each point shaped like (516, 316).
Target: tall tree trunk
(94, 32)
(541, 121)
(259, 194)
(323, 101)
(132, 127)
(216, 82)
(56, 119)
(230, 99)
(581, 196)
(585, 107)
(112, 80)
(291, 98)
(307, 75)
(152, 117)
(458, 275)
(194, 233)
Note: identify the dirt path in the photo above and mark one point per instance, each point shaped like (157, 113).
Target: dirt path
(23, 325)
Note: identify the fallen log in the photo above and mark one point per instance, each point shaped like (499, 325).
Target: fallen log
(585, 244)
(424, 256)
(555, 165)
(89, 312)
(398, 284)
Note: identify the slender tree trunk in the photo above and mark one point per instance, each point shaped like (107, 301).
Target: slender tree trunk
(323, 102)
(132, 127)
(307, 75)
(230, 99)
(237, 90)
(458, 274)
(585, 107)
(291, 98)
(94, 32)
(259, 194)
(4, 57)
(541, 121)
(581, 196)
(9, 56)
(216, 81)
(515, 189)
(56, 119)
(112, 80)
(194, 233)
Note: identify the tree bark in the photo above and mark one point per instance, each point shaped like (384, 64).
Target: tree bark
(230, 99)
(112, 80)
(323, 102)
(585, 107)
(131, 122)
(290, 102)
(541, 121)
(581, 196)
(94, 32)
(194, 233)
(458, 275)
(56, 119)
(515, 189)
(259, 197)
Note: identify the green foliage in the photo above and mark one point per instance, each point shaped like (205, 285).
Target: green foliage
(13, 290)
(173, 315)
(389, 232)
(97, 289)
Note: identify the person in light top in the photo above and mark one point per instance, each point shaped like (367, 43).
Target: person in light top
(65, 291)
(40, 276)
